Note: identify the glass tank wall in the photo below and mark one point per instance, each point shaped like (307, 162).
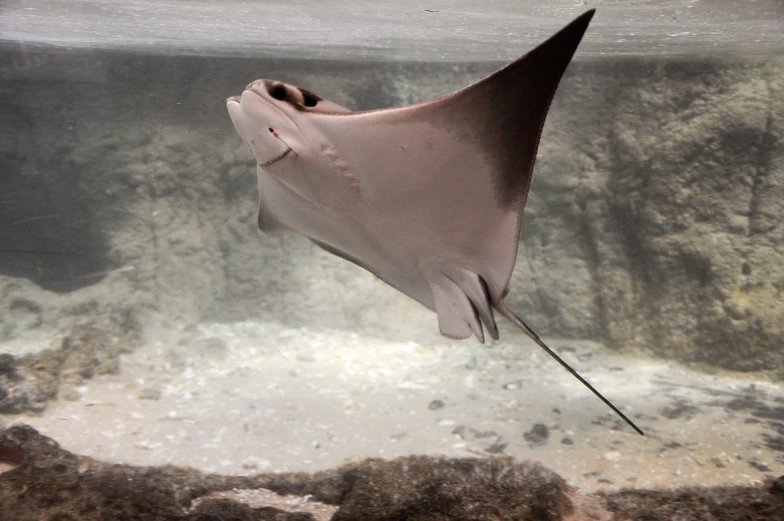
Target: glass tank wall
(145, 319)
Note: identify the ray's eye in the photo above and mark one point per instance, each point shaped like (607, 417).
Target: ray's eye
(278, 92)
(272, 131)
(309, 99)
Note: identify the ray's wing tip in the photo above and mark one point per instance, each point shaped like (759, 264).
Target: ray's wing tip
(583, 19)
(579, 25)
(588, 14)
(562, 45)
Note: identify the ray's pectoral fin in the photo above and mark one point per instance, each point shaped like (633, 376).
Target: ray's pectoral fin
(502, 308)
(462, 304)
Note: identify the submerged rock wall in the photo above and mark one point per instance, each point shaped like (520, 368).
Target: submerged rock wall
(671, 193)
(655, 219)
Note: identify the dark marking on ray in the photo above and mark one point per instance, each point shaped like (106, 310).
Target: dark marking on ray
(297, 97)
(309, 99)
(528, 84)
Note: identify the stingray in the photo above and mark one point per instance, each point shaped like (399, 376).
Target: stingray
(429, 197)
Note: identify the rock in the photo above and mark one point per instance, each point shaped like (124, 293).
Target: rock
(538, 435)
(149, 393)
(436, 405)
(698, 503)
(496, 448)
(27, 383)
(777, 487)
(612, 455)
(41, 480)
(441, 488)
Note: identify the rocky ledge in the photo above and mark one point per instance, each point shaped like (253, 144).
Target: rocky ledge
(39, 480)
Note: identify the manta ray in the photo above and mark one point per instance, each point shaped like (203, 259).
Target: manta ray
(429, 197)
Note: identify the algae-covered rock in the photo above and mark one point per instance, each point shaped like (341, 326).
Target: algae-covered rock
(442, 489)
(40, 480)
(700, 503)
(49, 481)
(27, 383)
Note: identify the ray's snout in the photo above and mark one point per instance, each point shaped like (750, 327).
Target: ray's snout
(264, 127)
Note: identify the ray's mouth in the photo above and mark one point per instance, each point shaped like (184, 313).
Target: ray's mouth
(276, 158)
(238, 100)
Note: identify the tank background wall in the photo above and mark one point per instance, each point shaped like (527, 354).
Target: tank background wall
(655, 220)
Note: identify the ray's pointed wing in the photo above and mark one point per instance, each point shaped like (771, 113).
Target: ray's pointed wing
(442, 185)
(436, 190)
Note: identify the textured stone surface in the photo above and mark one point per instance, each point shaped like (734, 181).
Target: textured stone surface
(654, 220)
(28, 382)
(47, 482)
(40, 480)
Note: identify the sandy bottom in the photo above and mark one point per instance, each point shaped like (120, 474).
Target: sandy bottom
(248, 397)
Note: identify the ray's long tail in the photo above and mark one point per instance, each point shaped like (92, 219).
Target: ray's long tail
(502, 308)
